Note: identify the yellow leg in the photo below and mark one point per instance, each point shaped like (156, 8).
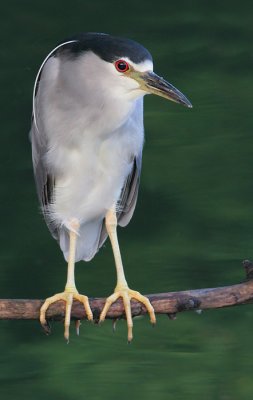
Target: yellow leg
(122, 289)
(70, 293)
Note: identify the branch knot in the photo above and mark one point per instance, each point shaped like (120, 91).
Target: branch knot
(188, 304)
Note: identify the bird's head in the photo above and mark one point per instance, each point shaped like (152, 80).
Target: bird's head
(114, 66)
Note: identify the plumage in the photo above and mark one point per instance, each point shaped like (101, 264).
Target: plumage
(109, 48)
(84, 161)
(87, 138)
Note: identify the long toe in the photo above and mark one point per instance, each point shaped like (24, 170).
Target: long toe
(144, 300)
(128, 312)
(69, 302)
(128, 294)
(109, 301)
(68, 297)
(85, 301)
(46, 304)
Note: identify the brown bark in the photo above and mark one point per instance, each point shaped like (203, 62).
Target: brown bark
(163, 303)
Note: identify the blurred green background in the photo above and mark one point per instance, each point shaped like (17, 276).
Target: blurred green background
(193, 222)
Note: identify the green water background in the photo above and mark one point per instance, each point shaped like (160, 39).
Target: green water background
(193, 222)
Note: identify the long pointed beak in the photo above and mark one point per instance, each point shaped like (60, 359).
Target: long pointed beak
(152, 83)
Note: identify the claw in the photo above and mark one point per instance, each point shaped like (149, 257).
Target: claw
(46, 328)
(114, 322)
(127, 294)
(77, 324)
(68, 297)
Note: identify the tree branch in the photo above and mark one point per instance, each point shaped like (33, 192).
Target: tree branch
(163, 303)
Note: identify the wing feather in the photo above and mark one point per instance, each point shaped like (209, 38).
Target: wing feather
(43, 179)
(128, 198)
(45, 182)
(127, 203)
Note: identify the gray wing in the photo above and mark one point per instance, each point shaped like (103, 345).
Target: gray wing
(43, 179)
(129, 194)
(128, 198)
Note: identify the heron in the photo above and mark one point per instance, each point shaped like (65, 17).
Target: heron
(87, 139)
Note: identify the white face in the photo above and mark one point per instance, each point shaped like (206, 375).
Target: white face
(90, 74)
(124, 77)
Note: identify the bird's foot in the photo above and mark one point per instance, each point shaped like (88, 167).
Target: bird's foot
(68, 296)
(128, 294)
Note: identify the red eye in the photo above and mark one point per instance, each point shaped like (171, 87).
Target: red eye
(121, 66)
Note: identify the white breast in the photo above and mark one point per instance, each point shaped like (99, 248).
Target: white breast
(90, 150)
(93, 175)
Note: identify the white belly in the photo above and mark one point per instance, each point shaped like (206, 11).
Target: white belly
(90, 177)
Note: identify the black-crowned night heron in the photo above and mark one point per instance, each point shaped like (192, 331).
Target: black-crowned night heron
(87, 139)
